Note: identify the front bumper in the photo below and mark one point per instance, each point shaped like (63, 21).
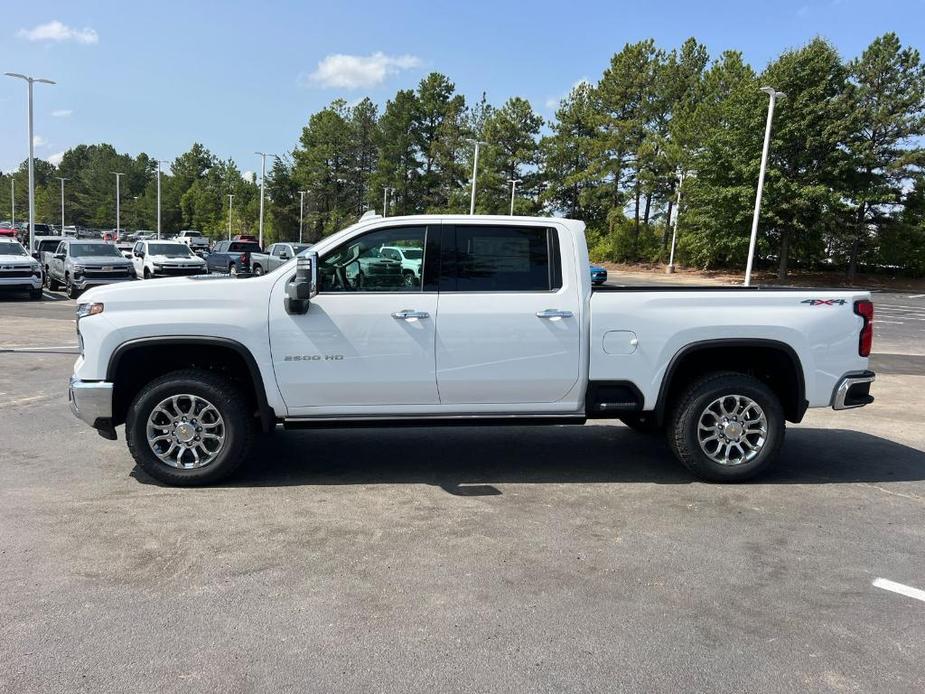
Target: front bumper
(86, 282)
(33, 281)
(179, 271)
(853, 390)
(91, 402)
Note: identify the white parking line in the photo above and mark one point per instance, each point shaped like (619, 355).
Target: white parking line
(880, 321)
(895, 587)
(916, 296)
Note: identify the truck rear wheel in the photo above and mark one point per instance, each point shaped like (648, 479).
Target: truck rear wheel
(726, 427)
(189, 427)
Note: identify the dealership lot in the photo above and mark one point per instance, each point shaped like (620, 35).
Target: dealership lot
(468, 558)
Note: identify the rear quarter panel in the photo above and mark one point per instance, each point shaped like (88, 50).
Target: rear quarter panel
(823, 334)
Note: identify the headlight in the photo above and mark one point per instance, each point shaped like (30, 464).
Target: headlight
(84, 310)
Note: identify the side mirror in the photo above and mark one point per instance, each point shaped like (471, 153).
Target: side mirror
(304, 286)
(284, 256)
(36, 255)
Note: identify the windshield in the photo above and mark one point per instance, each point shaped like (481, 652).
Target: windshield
(47, 245)
(173, 250)
(7, 248)
(190, 233)
(300, 247)
(412, 253)
(85, 250)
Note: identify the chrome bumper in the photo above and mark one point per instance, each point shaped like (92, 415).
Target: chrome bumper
(853, 390)
(91, 402)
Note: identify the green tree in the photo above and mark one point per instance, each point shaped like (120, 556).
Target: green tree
(886, 99)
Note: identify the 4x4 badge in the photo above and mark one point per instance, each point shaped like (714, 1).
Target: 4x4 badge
(824, 302)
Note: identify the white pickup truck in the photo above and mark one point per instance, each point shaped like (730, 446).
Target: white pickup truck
(504, 327)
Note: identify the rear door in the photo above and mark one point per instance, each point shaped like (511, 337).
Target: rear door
(509, 319)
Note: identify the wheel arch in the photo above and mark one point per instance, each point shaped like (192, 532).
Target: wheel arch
(198, 348)
(769, 357)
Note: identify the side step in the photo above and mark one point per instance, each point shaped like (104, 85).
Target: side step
(611, 399)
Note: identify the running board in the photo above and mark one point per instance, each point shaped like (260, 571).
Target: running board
(474, 420)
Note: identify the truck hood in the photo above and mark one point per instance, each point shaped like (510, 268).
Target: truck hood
(17, 260)
(183, 292)
(100, 260)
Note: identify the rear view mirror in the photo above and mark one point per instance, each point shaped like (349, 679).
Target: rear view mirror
(304, 286)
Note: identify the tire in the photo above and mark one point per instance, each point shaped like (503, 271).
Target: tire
(233, 270)
(72, 291)
(258, 270)
(52, 283)
(238, 426)
(643, 423)
(35, 294)
(146, 274)
(746, 456)
(408, 279)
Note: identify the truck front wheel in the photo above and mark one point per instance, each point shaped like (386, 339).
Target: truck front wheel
(726, 427)
(189, 427)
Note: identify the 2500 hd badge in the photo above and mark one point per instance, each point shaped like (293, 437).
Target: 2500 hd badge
(313, 357)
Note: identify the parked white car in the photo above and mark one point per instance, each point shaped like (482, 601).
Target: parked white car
(412, 260)
(18, 270)
(194, 239)
(165, 259)
(504, 328)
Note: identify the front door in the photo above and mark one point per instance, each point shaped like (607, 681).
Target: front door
(368, 337)
(509, 323)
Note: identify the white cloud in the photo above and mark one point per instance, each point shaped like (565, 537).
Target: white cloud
(55, 159)
(38, 141)
(357, 71)
(553, 102)
(62, 113)
(58, 31)
(248, 176)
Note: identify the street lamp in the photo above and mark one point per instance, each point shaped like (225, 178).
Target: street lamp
(12, 201)
(386, 191)
(263, 175)
(230, 203)
(159, 162)
(674, 228)
(62, 200)
(475, 168)
(301, 211)
(30, 81)
(117, 174)
(775, 95)
(513, 182)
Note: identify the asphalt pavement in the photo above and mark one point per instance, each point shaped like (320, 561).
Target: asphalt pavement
(462, 559)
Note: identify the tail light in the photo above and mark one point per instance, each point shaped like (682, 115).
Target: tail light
(865, 309)
(246, 259)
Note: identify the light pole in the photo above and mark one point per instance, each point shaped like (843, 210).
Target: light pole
(135, 210)
(12, 201)
(159, 162)
(301, 211)
(513, 182)
(263, 175)
(764, 163)
(30, 81)
(117, 174)
(62, 201)
(230, 203)
(475, 169)
(674, 228)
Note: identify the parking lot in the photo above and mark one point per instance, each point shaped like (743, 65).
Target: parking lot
(463, 559)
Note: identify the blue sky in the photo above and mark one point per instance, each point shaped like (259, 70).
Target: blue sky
(240, 77)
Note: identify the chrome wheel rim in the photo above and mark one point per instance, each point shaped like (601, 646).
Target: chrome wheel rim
(185, 431)
(732, 430)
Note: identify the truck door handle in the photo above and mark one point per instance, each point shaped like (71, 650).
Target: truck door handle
(553, 313)
(408, 314)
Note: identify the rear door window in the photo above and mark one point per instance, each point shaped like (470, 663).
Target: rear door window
(500, 259)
